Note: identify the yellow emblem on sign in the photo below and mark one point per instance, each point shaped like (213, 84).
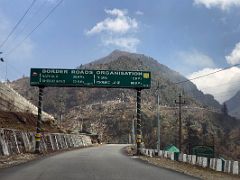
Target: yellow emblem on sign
(139, 140)
(146, 75)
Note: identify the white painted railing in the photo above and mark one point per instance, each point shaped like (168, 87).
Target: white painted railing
(216, 164)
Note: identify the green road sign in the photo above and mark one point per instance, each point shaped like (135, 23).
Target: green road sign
(205, 151)
(90, 78)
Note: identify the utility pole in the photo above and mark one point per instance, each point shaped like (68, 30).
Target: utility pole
(158, 119)
(180, 103)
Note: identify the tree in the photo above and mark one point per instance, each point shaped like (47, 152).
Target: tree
(224, 109)
(193, 138)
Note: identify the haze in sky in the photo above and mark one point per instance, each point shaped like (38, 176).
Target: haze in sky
(193, 37)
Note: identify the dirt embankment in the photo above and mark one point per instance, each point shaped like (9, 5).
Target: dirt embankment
(25, 122)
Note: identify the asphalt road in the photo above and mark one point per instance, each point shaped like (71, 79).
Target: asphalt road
(97, 163)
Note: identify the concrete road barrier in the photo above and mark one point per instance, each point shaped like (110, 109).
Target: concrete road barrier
(151, 153)
(184, 158)
(204, 162)
(218, 165)
(227, 166)
(160, 153)
(189, 159)
(147, 152)
(194, 159)
(235, 168)
(165, 154)
(180, 157)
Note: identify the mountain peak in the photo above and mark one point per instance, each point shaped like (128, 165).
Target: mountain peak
(117, 53)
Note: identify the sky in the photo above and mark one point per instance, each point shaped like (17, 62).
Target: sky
(193, 37)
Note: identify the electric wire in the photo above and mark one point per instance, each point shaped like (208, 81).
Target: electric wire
(18, 23)
(44, 19)
(36, 12)
(36, 27)
(198, 77)
(233, 87)
(220, 85)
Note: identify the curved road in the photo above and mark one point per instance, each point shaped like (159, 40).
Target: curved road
(97, 163)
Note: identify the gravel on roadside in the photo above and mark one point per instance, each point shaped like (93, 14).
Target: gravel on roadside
(8, 161)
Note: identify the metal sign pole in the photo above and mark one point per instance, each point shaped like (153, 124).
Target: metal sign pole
(39, 120)
(139, 134)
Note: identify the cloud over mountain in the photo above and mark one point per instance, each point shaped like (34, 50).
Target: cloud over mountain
(234, 57)
(196, 59)
(223, 85)
(119, 23)
(118, 30)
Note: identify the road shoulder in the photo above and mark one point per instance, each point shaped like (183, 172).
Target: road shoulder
(195, 171)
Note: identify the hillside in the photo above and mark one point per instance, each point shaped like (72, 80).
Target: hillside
(158, 70)
(233, 105)
(16, 112)
(109, 112)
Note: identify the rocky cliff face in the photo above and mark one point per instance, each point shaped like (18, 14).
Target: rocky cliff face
(109, 112)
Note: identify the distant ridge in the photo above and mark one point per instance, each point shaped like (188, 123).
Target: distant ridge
(233, 105)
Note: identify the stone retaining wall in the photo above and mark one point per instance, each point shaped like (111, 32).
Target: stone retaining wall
(16, 142)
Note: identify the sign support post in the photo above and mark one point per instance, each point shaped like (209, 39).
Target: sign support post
(139, 132)
(39, 120)
(133, 131)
